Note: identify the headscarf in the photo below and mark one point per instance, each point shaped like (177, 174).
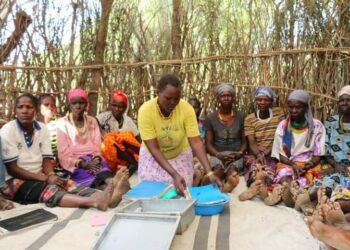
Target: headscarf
(78, 92)
(344, 91)
(302, 96)
(265, 91)
(120, 96)
(225, 86)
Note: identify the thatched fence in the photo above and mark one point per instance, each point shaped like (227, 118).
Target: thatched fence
(321, 71)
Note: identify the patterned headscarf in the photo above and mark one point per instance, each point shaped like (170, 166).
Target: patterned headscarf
(120, 96)
(78, 92)
(302, 96)
(344, 91)
(265, 91)
(224, 87)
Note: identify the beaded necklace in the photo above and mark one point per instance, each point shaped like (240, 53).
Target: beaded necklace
(264, 120)
(299, 127)
(227, 117)
(81, 131)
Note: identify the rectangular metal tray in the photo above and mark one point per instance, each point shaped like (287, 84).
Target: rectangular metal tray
(172, 207)
(135, 232)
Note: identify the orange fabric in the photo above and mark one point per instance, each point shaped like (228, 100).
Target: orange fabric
(312, 173)
(120, 139)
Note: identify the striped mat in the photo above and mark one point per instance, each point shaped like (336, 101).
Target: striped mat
(246, 225)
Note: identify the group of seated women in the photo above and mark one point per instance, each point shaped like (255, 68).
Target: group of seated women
(38, 142)
(290, 157)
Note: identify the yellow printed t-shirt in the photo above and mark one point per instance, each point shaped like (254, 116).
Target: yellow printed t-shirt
(171, 133)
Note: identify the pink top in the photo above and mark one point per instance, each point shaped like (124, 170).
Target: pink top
(71, 146)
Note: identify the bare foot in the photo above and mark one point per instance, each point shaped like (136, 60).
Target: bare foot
(118, 176)
(122, 176)
(333, 214)
(321, 195)
(103, 198)
(260, 172)
(118, 191)
(304, 204)
(251, 192)
(317, 229)
(263, 193)
(5, 204)
(275, 196)
(231, 182)
(347, 217)
(333, 237)
(287, 195)
(295, 189)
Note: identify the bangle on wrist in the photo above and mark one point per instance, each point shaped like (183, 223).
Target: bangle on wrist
(210, 173)
(49, 174)
(76, 163)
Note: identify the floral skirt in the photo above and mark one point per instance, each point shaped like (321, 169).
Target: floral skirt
(150, 170)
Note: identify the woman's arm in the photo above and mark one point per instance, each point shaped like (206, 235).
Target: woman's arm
(243, 147)
(198, 148)
(253, 148)
(64, 151)
(209, 138)
(20, 173)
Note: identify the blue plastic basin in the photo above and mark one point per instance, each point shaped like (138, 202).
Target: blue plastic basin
(208, 210)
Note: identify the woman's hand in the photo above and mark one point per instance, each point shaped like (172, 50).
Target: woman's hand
(261, 158)
(55, 180)
(92, 166)
(298, 171)
(180, 184)
(215, 181)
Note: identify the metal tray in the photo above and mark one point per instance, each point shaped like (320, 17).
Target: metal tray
(172, 207)
(135, 232)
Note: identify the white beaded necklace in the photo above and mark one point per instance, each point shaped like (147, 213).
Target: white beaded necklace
(267, 119)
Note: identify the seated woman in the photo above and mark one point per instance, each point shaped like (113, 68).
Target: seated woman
(338, 134)
(259, 128)
(121, 143)
(337, 182)
(225, 138)
(4, 204)
(169, 130)
(116, 119)
(27, 152)
(79, 142)
(298, 146)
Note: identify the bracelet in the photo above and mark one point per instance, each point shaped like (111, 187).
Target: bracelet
(77, 162)
(49, 174)
(210, 173)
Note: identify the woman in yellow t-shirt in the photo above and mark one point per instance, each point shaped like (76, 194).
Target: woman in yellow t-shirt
(169, 130)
